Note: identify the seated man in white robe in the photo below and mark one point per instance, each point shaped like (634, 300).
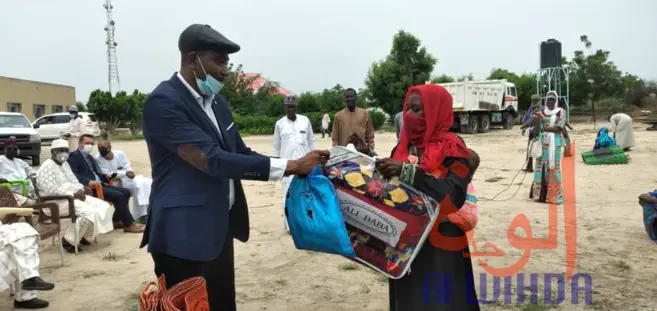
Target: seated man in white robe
(13, 169)
(94, 216)
(19, 263)
(112, 161)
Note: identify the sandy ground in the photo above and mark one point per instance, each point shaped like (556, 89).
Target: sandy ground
(612, 246)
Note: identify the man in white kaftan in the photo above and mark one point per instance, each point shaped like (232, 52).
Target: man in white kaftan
(55, 178)
(112, 161)
(326, 120)
(19, 265)
(14, 169)
(293, 139)
(75, 128)
(621, 126)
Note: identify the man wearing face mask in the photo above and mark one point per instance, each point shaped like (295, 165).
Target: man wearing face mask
(12, 168)
(293, 139)
(114, 162)
(55, 178)
(75, 128)
(198, 159)
(86, 169)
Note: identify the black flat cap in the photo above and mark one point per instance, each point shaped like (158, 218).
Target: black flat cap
(199, 37)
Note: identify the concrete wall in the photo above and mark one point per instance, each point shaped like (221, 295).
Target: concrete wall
(31, 97)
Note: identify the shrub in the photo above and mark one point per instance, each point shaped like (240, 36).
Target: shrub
(264, 125)
(258, 125)
(378, 119)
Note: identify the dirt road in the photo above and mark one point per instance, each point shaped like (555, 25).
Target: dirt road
(612, 246)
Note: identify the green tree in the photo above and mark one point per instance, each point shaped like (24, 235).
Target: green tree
(81, 107)
(408, 64)
(308, 102)
(135, 103)
(110, 110)
(525, 85)
(238, 91)
(443, 78)
(594, 76)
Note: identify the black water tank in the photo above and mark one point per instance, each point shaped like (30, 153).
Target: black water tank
(550, 53)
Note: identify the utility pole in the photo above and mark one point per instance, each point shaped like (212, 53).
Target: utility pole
(112, 62)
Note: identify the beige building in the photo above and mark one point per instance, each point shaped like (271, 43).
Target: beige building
(34, 99)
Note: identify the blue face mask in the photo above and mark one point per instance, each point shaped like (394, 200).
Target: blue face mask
(210, 86)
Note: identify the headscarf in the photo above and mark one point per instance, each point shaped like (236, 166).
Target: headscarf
(536, 101)
(553, 115)
(431, 133)
(604, 140)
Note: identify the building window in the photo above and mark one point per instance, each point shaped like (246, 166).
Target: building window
(56, 109)
(39, 110)
(14, 107)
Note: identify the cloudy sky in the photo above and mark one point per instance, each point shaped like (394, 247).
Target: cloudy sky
(312, 45)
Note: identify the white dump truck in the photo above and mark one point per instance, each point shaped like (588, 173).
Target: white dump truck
(480, 104)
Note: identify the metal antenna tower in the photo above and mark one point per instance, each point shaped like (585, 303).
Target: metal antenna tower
(112, 62)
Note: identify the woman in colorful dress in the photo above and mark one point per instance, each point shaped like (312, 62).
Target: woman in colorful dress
(436, 162)
(550, 124)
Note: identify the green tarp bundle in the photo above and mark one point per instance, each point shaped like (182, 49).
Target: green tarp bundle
(605, 156)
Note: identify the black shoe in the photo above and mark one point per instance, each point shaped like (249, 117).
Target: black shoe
(34, 303)
(36, 283)
(85, 242)
(69, 247)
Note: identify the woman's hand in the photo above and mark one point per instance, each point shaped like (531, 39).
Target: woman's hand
(389, 167)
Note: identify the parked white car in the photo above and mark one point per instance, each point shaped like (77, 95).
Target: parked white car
(16, 125)
(52, 126)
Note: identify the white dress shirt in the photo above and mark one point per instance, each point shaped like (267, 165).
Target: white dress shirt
(276, 166)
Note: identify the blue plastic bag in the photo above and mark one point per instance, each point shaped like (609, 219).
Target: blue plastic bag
(314, 216)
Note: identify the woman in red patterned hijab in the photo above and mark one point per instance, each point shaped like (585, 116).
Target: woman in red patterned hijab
(435, 161)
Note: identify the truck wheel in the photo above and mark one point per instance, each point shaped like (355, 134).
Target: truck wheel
(484, 123)
(508, 121)
(36, 160)
(473, 126)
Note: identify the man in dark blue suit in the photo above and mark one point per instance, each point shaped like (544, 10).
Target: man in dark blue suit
(197, 204)
(86, 170)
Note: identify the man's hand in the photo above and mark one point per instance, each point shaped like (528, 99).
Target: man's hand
(306, 164)
(389, 167)
(130, 174)
(93, 184)
(80, 195)
(355, 139)
(361, 146)
(523, 132)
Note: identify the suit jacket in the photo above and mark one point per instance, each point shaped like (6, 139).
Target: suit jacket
(191, 164)
(81, 169)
